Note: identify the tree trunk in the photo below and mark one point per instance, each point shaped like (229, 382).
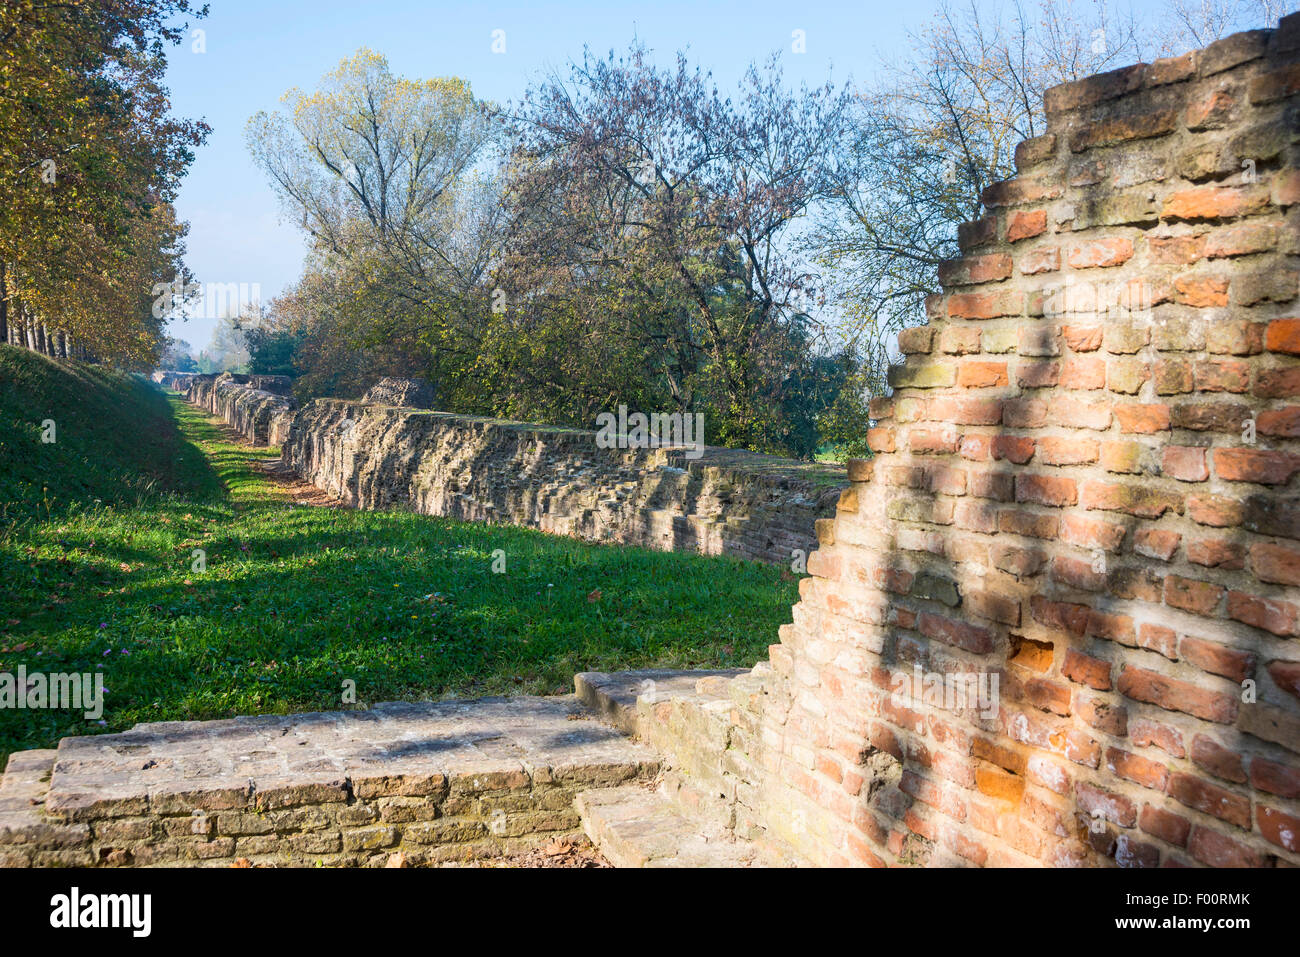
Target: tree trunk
(4, 307)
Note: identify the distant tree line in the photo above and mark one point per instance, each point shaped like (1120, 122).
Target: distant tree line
(629, 234)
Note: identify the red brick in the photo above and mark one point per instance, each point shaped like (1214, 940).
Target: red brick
(1278, 383)
(1112, 627)
(881, 440)
(1279, 617)
(1123, 457)
(1078, 413)
(1211, 111)
(1158, 638)
(1213, 757)
(984, 305)
(1135, 768)
(1156, 543)
(1142, 419)
(1185, 463)
(1286, 188)
(982, 375)
(1121, 129)
(1077, 574)
(1176, 250)
(1032, 525)
(1283, 335)
(1013, 448)
(1084, 373)
(1218, 850)
(1024, 414)
(930, 441)
(998, 486)
(1260, 466)
(1214, 202)
(1018, 192)
(1036, 261)
(1082, 338)
(1026, 224)
(1091, 533)
(1146, 732)
(1275, 563)
(1141, 500)
(1216, 553)
(960, 634)
(1046, 490)
(1019, 562)
(1095, 802)
(1174, 695)
(1101, 252)
(1086, 670)
(1217, 659)
(964, 410)
(1222, 376)
(972, 270)
(1210, 799)
(1276, 84)
(1286, 675)
(1215, 511)
(1283, 423)
(1173, 376)
(1169, 827)
(1201, 291)
(1235, 337)
(1101, 714)
(1062, 616)
(1241, 240)
(1038, 374)
(1048, 696)
(1200, 598)
(1279, 779)
(993, 606)
(1279, 827)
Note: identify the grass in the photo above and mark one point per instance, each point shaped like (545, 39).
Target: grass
(297, 600)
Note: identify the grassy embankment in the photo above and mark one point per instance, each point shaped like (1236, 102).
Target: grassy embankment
(97, 536)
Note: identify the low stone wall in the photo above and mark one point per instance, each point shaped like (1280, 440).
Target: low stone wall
(247, 403)
(433, 782)
(753, 506)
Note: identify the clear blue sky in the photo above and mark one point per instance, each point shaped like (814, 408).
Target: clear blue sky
(258, 49)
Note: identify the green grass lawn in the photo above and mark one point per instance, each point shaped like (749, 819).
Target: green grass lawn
(296, 600)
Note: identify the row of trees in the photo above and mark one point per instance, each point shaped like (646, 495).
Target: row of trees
(90, 161)
(627, 233)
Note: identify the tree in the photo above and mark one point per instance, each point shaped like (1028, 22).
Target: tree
(649, 210)
(393, 181)
(90, 159)
(177, 356)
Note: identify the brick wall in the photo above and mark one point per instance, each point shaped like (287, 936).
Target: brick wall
(753, 506)
(1084, 485)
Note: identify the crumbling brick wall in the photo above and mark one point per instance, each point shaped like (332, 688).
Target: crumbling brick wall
(257, 407)
(1084, 485)
(726, 502)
